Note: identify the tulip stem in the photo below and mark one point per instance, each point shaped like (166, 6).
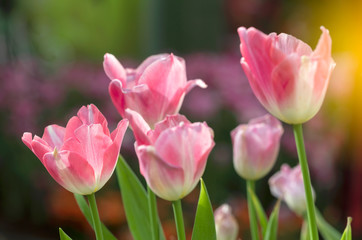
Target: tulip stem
(177, 211)
(152, 207)
(252, 216)
(312, 223)
(95, 216)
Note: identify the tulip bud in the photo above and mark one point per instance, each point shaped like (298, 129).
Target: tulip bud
(226, 225)
(287, 184)
(256, 146)
(288, 78)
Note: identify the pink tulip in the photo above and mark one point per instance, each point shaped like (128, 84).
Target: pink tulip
(155, 89)
(287, 184)
(289, 79)
(173, 156)
(82, 156)
(256, 146)
(227, 227)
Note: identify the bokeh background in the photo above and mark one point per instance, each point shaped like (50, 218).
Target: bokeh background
(51, 55)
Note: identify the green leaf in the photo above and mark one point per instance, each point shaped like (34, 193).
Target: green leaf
(135, 202)
(304, 233)
(272, 227)
(262, 218)
(326, 230)
(347, 234)
(204, 226)
(84, 208)
(63, 235)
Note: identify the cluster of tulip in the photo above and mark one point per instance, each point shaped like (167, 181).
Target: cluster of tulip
(287, 77)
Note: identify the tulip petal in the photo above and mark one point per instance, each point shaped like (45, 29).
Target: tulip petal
(188, 146)
(72, 125)
(71, 171)
(54, 136)
(27, 139)
(40, 148)
(113, 68)
(165, 180)
(91, 143)
(139, 126)
(91, 115)
(169, 122)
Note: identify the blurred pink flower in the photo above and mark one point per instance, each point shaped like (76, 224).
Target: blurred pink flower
(155, 89)
(227, 227)
(256, 146)
(82, 156)
(288, 78)
(287, 184)
(173, 156)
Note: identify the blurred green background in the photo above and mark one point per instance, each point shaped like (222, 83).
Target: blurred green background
(51, 55)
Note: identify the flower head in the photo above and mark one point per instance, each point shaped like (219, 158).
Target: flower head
(155, 89)
(256, 146)
(173, 156)
(82, 156)
(225, 223)
(287, 184)
(286, 75)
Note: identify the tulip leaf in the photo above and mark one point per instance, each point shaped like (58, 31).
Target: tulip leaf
(347, 234)
(135, 202)
(63, 235)
(272, 227)
(84, 208)
(304, 233)
(204, 226)
(325, 229)
(262, 217)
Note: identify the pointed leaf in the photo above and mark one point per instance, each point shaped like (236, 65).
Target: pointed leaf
(84, 208)
(326, 230)
(63, 235)
(347, 234)
(262, 218)
(304, 233)
(135, 202)
(204, 226)
(272, 227)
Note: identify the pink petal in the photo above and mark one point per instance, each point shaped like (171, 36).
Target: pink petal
(117, 96)
(165, 180)
(169, 122)
(90, 142)
(54, 136)
(139, 126)
(40, 148)
(27, 139)
(147, 62)
(114, 68)
(187, 146)
(118, 134)
(91, 115)
(72, 125)
(325, 63)
(71, 171)
(289, 45)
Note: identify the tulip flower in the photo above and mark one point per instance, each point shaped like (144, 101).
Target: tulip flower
(173, 156)
(225, 223)
(256, 146)
(288, 78)
(155, 89)
(287, 184)
(82, 156)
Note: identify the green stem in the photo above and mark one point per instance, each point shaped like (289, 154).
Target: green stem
(312, 223)
(252, 216)
(95, 216)
(152, 207)
(177, 211)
